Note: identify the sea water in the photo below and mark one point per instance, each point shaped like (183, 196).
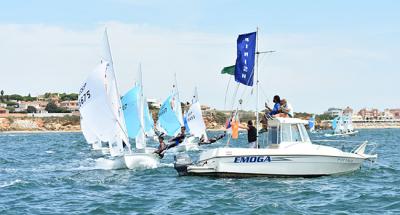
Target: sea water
(57, 173)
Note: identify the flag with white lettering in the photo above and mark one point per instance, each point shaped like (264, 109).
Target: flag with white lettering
(246, 51)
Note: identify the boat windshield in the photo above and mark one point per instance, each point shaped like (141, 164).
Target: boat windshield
(273, 136)
(287, 133)
(296, 137)
(304, 134)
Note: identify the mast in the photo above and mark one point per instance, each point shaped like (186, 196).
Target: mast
(257, 95)
(257, 81)
(119, 115)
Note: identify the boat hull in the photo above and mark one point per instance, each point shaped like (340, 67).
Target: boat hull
(243, 163)
(190, 144)
(276, 166)
(141, 160)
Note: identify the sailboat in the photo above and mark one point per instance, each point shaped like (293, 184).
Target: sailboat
(139, 123)
(195, 126)
(311, 124)
(289, 150)
(100, 108)
(342, 125)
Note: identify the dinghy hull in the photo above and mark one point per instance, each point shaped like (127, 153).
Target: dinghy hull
(141, 160)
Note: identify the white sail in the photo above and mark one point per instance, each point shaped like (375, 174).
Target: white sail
(90, 136)
(195, 120)
(112, 91)
(141, 138)
(97, 113)
(177, 102)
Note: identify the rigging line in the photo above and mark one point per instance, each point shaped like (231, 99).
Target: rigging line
(234, 95)
(226, 92)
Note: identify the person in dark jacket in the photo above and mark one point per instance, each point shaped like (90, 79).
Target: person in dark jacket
(178, 139)
(251, 134)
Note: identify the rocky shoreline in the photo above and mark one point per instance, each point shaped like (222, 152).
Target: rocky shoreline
(36, 124)
(26, 124)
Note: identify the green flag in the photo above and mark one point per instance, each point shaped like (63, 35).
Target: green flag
(228, 70)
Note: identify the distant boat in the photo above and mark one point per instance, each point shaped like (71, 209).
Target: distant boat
(311, 124)
(342, 125)
(138, 122)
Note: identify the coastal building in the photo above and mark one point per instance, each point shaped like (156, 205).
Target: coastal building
(204, 107)
(70, 105)
(3, 111)
(348, 111)
(38, 105)
(22, 107)
(154, 103)
(394, 112)
(334, 111)
(369, 113)
(3, 105)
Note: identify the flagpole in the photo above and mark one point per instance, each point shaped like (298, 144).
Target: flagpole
(257, 120)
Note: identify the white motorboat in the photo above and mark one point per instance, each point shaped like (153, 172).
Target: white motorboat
(289, 152)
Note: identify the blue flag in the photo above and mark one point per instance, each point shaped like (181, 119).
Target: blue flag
(246, 51)
(167, 118)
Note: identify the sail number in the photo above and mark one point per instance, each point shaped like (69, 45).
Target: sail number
(84, 95)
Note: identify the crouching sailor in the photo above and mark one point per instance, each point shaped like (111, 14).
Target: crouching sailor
(161, 148)
(214, 139)
(178, 139)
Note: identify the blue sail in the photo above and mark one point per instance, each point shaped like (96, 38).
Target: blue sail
(311, 123)
(148, 119)
(185, 122)
(167, 118)
(334, 122)
(130, 107)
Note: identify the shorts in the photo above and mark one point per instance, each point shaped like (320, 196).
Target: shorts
(253, 145)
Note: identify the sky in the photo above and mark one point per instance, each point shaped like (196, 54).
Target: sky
(328, 53)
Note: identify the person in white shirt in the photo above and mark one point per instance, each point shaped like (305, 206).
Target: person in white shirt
(286, 109)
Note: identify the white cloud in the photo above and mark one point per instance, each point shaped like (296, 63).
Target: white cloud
(313, 71)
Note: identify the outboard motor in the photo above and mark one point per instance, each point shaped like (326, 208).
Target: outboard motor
(182, 161)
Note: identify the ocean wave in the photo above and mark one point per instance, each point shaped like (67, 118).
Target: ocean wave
(10, 183)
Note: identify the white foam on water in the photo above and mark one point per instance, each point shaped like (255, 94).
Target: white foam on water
(50, 152)
(143, 162)
(8, 170)
(108, 164)
(166, 165)
(10, 183)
